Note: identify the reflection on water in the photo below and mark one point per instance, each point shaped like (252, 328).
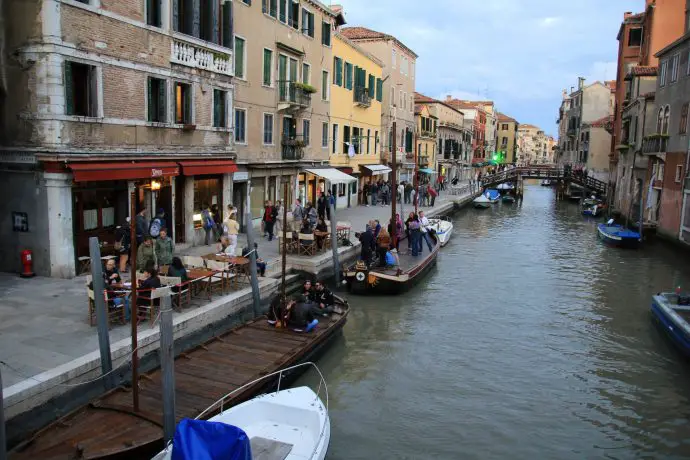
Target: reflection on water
(531, 340)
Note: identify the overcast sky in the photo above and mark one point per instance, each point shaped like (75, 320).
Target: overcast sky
(519, 53)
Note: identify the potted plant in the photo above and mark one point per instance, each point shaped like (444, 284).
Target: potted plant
(307, 88)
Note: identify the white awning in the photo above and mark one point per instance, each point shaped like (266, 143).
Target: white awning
(332, 175)
(378, 169)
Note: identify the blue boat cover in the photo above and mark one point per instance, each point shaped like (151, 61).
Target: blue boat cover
(493, 194)
(620, 231)
(202, 440)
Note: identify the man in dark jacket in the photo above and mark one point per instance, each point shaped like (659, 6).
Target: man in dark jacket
(321, 205)
(368, 243)
(142, 229)
(324, 298)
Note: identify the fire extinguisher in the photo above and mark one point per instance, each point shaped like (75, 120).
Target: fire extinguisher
(27, 264)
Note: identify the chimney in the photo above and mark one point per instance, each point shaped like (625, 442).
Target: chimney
(336, 8)
(565, 94)
(572, 89)
(449, 98)
(627, 14)
(580, 82)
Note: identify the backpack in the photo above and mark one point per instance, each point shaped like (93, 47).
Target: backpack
(208, 221)
(155, 227)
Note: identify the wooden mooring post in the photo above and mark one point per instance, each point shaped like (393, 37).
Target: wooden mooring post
(98, 285)
(167, 357)
(3, 438)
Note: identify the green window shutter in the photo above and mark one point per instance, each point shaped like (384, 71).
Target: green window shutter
(239, 57)
(216, 108)
(187, 108)
(69, 89)
(372, 86)
(338, 72)
(379, 90)
(268, 57)
(149, 93)
(162, 102)
(227, 25)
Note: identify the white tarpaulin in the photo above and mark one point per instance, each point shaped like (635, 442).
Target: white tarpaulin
(378, 169)
(332, 175)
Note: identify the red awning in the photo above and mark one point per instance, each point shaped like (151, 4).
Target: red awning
(201, 167)
(100, 171)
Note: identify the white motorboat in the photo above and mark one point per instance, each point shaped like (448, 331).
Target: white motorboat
(286, 424)
(443, 228)
(481, 202)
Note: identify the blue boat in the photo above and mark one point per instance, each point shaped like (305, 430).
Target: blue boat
(672, 312)
(493, 195)
(617, 235)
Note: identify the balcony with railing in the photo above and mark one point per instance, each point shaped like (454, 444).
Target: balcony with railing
(293, 147)
(654, 144)
(424, 134)
(362, 97)
(294, 95)
(192, 52)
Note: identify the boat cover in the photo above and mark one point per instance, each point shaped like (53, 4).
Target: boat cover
(493, 194)
(203, 440)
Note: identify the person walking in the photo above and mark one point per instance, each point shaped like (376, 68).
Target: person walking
(279, 217)
(141, 227)
(321, 205)
(297, 215)
(401, 192)
(373, 191)
(207, 222)
(165, 248)
(269, 219)
(431, 193)
(232, 229)
(146, 254)
(408, 192)
(365, 195)
(123, 243)
(330, 202)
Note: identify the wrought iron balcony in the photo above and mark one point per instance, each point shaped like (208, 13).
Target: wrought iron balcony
(294, 95)
(427, 134)
(362, 97)
(293, 147)
(654, 144)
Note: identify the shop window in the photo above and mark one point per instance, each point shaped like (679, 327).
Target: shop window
(342, 190)
(183, 103)
(81, 89)
(90, 219)
(207, 191)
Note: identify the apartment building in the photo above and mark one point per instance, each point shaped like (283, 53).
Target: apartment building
(283, 72)
(475, 123)
(427, 129)
(399, 63)
(454, 158)
(106, 103)
(530, 144)
(507, 128)
(595, 141)
(355, 118)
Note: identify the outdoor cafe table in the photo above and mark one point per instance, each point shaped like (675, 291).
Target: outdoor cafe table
(203, 276)
(238, 265)
(325, 238)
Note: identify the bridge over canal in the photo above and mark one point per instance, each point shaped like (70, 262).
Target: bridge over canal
(550, 173)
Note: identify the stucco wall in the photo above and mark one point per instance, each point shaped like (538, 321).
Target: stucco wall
(671, 196)
(599, 148)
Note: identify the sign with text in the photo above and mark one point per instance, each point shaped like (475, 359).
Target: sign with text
(20, 221)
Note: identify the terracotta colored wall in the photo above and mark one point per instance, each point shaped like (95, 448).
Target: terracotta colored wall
(672, 196)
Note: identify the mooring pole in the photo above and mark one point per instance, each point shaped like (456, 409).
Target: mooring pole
(167, 357)
(334, 243)
(252, 256)
(283, 294)
(394, 187)
(133, 311)
(3, 438)
(101, 314)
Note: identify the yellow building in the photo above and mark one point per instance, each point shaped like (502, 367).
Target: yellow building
(355, 117)
(427, 125)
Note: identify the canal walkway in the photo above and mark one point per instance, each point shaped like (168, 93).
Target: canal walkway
(46, 340)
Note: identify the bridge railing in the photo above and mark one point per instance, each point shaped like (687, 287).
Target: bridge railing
(542, 172)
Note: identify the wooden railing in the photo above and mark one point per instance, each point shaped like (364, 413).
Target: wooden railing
(545, 172)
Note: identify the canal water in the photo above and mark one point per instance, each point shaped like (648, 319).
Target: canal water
(531, 340)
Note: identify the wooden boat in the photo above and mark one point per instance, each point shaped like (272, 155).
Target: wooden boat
(618, 236)
(391, 281)
(108, 428)
(443, 228)
(294, 423)
(481, 202)
(672, 312)
(508, 199)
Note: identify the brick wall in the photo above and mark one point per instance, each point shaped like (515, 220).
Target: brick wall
(672, 196)
(133, 9)
(124, 93)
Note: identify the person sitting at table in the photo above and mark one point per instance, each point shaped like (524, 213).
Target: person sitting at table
(148, 283)
(260, 264)
(146, 253)
(225, 247)
(321, 227)
(111, 273)
(177, 270)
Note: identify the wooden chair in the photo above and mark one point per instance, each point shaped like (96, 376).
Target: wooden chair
(84, 264)
(193, 261)
(223, 275)
(181, 292)
(116, 315)
(150, 303)
(307, 244)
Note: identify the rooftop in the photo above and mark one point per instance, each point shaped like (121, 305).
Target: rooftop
(643, 71)
(505, 118)
(364, 34)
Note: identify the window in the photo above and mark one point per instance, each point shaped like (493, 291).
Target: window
(183, 103)
(372, 86)
(402, 100)
(239, 57)
(338, 71)
(346, 138)
(226, 25)
(324, 134)
(368, 137)
(220, 110)
(206, 18)
(635, 37)
(153, 13)
(662, 73)
(326, 34)
(356, 139)
(293, 14)
(667, 116)
(403, 65)
(306, 131)
(376, 142)
(379, 90)
(241, 126)
(348, 75)
(270, 7)
(674, 67)
(247, 2)
(157, 100)
(335, 138)
(688, 69)
(504, 127)
(683, 128)
(283, 11)
(306, 73)
(324, 85)
(393, 58)
(393, 96)
(81, 89)
(411, 103)
(268, 129)
(504, 141)
(679, 174)
(307, 23)
(412, 69)
(268, 67)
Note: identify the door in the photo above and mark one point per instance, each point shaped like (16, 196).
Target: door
(282, 77)
(239, 198)
(289, 128)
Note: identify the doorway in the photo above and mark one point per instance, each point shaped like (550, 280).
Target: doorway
(239, 198)
(179, 209)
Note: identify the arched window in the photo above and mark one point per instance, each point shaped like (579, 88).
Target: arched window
(667, 116)
(660, 120)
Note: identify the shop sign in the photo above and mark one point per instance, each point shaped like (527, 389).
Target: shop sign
(17, 158)
(20, 221)
(156, 172)
(241, 176)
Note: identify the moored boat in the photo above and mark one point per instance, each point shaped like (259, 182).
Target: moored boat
(443, 228)
(481, 202)
(672, 313)
(293, 423)
(617, 235)
(508, 199)
(493, 195)
(362, 279)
